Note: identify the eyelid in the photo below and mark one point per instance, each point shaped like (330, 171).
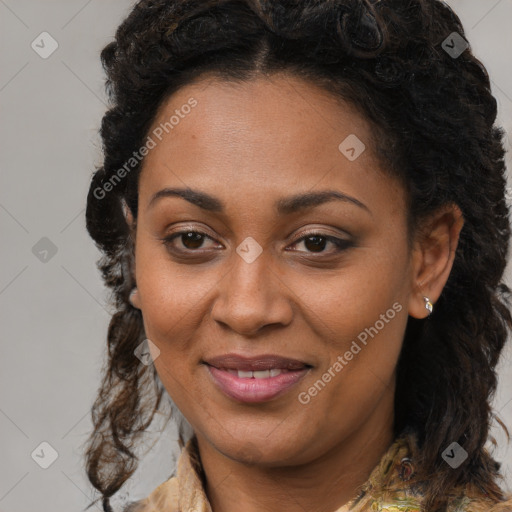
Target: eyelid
(191, 228)
(321, 231)
(340, 244)
(339, 241)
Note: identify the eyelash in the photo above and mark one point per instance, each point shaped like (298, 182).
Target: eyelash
(339, 243)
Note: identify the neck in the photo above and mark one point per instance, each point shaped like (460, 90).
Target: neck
(326, 483)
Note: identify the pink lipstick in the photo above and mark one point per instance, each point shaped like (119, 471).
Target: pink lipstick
(255, 379)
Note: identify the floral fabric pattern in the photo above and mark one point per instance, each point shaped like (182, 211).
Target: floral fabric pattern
(388, 489)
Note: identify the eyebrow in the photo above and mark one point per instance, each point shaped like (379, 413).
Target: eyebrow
(284, 206)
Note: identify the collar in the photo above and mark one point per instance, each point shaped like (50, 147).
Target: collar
(388, 488)
(192, 496)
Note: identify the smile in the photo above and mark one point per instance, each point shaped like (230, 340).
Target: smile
(255, 386)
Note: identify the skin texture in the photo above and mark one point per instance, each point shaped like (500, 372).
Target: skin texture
(249, 145)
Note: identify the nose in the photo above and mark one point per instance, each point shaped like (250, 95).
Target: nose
(252, 296)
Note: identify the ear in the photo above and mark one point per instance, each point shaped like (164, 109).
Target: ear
(135, 298)
(433, 255)
(128, 215)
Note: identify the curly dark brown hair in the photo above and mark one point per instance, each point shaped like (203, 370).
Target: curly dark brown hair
(433, 119)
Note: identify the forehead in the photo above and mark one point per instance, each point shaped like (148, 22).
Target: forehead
(275, 110)
(264, 135)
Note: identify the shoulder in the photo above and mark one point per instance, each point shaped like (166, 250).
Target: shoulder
(164, 497)
(395, 486)
(467, 504)
(182, 492)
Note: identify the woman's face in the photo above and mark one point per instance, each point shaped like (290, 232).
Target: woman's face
(325, 281)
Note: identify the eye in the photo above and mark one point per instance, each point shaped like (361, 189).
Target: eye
(190, 240)
(316, 243)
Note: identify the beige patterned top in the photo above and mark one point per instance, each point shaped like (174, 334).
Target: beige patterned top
(388, 489)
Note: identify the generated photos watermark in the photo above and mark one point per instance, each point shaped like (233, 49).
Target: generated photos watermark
(342, 360)
(151, 143)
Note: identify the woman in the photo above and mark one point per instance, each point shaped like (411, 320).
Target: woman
(303, 220)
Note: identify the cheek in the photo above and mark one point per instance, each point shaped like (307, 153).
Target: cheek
(357, 379)
(367, 293)
(175, 303)
(361, 350)
(171, 295)
(362, 316)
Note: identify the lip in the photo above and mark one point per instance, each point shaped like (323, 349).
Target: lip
(253, 390)
(254, 363)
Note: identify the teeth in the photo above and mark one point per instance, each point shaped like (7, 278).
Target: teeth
(262, 374)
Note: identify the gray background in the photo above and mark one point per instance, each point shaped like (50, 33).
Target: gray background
(53, 313)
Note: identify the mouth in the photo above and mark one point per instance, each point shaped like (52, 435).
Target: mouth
(255, 379)
(256, 364)
(260, 374)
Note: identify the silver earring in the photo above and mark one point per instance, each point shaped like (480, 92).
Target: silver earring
(428, 305)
